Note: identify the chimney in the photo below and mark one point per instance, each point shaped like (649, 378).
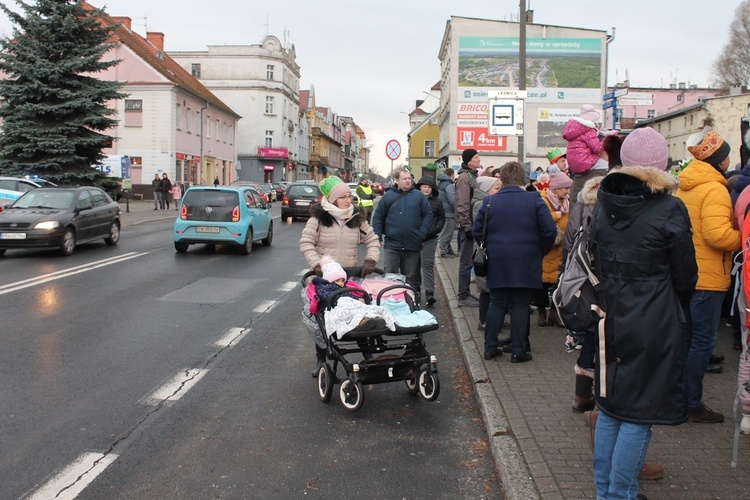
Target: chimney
(124, 20)
(157, 39)
(682, 85)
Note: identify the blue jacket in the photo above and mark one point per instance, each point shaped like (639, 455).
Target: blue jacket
(447, 194)
(402, 219)
(520, 231)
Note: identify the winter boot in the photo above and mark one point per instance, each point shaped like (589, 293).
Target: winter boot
(320, 354)
(553, 319)
(583, 398)
(542, 321)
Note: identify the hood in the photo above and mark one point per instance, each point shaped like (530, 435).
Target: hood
(699, 172)
(28, 215)
(443, 177)
(430, 181)
(575, 127)
(742, 180)
(587, 194)
(623, 191)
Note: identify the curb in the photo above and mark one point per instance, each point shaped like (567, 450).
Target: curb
(511, 465)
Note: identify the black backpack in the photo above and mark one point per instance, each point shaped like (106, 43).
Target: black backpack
(579, 298)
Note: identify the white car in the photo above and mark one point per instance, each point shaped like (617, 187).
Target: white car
(353, 189)
(23, 184)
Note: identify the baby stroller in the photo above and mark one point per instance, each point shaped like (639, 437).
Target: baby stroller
(375, 356)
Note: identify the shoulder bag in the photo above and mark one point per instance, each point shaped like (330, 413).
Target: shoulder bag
(480, 252)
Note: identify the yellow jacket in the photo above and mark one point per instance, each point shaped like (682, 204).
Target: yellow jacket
(553, 259)
(704, 193)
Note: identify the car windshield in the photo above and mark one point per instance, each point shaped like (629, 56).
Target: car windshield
(41, 198)
(301, 190)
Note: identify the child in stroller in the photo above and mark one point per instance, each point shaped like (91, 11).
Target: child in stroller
(371, 350)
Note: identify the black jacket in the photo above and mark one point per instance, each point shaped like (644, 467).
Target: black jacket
(436, 204)
(646, 261)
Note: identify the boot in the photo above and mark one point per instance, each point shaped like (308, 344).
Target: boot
(583, 399)
(553, 319)
(542, 321)
(589, 418)
(320, 355)
(651, 472)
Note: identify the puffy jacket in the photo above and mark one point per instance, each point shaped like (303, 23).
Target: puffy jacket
(466, 183)
(703, 190)
(438, 212)
(553, 258)
(325, 235)
(402, 219)
(447, 194)
(646, 262)
(584, 145)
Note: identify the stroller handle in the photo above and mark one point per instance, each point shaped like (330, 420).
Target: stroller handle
(350, 272)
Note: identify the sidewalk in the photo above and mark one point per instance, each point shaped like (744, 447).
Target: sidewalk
(541, 446)
(143, 211)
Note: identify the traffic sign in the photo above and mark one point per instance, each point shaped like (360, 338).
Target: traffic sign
(621, 92)
(393, 149)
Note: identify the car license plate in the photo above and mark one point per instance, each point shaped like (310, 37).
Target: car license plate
(303, 202)
(13, 236)
(202, 229)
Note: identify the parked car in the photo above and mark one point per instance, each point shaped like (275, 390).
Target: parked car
(8, 196)
(268, 188)
(23, 184)
(224, 215)
(353, 189)
(298, 198)
(61, 217)
(280, 190)
(254, 185)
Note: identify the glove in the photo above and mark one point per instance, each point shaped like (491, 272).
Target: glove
(469, 235)
(318, 270)
(368, 267)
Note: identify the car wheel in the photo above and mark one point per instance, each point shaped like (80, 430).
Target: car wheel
(68, 242)
(114, 234)
(268, 239)
(247, 247)
(180, 246)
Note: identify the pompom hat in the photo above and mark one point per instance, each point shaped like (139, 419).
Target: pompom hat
(589, 113)
(645, 147)
(332, 270)
(559, 180)
(333, 188)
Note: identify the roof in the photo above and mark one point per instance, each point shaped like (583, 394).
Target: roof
(304, 96)
(160, 61)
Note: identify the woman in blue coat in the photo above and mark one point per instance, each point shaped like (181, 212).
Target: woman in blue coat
(520, 231)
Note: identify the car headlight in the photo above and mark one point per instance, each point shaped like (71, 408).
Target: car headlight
(50, 224)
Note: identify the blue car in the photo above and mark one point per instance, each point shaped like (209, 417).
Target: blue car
(223, 215)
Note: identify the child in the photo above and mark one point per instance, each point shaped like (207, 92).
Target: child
(428, 188)
(176, 195)
(585, 153)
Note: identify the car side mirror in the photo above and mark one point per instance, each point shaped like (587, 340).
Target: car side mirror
(87, 206)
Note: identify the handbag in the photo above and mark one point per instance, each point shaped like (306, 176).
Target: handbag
(480, 253)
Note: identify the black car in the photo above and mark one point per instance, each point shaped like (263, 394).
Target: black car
(60, 217)
(298, 198)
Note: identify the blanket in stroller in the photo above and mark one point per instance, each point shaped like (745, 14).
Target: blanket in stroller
(349, 313)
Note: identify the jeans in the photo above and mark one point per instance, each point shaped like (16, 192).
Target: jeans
(517, 301)
(157, 196)
(700, 330)
(446, 236)
(428, 267)
(465, 264)
(405, 262)
(619, 451)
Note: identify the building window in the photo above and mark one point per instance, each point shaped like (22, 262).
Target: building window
(133, 105)
(133, 113)
(620, 114)
(429, 149)
(188, 118)
(208, 127)
(218, 131)
(651, 113)
(269, 138)
(198, 123)
(178, 116)
(195, 70)
(269, 104)
(269, 71)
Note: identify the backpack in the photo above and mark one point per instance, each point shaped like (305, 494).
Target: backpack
(579, 298)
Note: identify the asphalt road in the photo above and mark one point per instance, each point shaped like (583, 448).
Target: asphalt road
(137, 372)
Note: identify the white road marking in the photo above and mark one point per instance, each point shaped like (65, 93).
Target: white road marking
(74, 478)
(265, 306)
(175, 388)
(46, 278)
(289, 285)
(232, 337)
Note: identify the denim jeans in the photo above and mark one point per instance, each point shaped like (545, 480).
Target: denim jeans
(502, 300)
(619, 451)
(465, 264)
(700, 330)
(405, 262)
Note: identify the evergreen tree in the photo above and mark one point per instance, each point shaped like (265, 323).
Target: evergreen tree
(55, 114)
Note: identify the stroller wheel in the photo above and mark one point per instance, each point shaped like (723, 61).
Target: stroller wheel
(352, 395)
(325, 382)
(429, 385)
(411, 383)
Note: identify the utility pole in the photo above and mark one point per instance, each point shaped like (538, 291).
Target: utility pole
(522, 72)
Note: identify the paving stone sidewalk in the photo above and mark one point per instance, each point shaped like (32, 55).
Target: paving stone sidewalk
(541, 446)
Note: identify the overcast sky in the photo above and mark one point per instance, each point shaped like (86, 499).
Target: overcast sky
(372, 59)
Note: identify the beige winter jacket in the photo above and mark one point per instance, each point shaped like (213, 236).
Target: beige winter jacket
(324, 235)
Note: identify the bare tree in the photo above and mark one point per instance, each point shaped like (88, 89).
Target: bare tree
(733, 65)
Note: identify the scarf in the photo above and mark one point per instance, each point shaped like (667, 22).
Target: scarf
(337, 213)
(558, 204)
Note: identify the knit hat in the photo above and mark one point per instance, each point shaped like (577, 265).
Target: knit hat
(468, 154)
(712, 149)
(555, 155)
(485, 183)
(645, 147)
(542, 182)
(589, 113)
(332, 270)
(559, 180)
(333, 188)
